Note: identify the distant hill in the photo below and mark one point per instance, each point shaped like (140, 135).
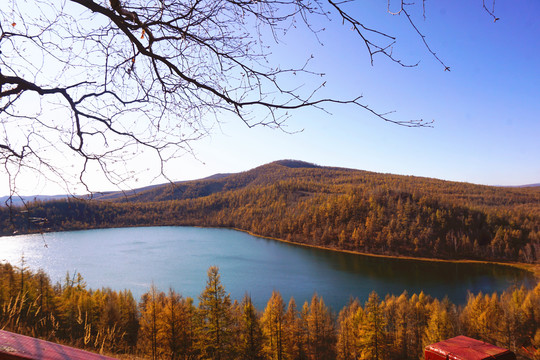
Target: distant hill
(330, 207)
(227, 181)
(209, 185)
(285, 170)
(531, 185)
(21, 200)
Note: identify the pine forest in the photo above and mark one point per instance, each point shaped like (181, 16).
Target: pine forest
(165, 325)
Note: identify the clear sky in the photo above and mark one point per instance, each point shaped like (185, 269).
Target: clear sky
(486, 110)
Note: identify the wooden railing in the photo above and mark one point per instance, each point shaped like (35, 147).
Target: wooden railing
(465, 348)
(20, 347)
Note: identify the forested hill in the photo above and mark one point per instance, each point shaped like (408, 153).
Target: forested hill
(330, 207)
(260, 176)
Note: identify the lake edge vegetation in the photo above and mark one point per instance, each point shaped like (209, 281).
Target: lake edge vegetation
(165, 325)
(334, 208)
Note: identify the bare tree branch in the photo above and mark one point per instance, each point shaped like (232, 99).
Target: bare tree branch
(94, 83)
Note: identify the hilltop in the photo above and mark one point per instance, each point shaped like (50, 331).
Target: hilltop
(213, 184)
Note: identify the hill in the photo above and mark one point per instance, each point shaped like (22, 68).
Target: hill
(330, 207)
(21, 200)
(213, 184)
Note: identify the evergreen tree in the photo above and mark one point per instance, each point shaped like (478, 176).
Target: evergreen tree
(215, 318)
(373, 330)
(346, 348)
(322, 330)
(173, 321)
(129, 319)
(251, 336)
(419, 318)
(404, 327)
(440, 325)
(305, 331)
(292, 334)
(273, 326)
(150, 308)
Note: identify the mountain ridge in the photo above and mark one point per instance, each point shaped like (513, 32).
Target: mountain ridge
(283, 170)
(145, 193)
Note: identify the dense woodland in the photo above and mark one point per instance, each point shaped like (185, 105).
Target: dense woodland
(168, 326)
(330, 207)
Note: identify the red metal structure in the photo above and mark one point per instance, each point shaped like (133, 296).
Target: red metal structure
(465, 348)
(19, 347)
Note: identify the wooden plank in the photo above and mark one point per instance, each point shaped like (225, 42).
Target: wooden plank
(19, 347)
(465, 348)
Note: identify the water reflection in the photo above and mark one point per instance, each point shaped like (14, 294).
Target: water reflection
(179, 257)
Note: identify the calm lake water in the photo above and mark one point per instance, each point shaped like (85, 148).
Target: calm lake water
(179, 257)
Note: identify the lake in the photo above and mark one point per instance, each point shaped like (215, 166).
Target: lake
(178, 257)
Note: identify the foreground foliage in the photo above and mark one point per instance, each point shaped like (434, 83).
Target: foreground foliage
(169, 326)
(329, 207)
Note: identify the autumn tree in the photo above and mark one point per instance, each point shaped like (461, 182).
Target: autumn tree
(76, 305)
(273, 326)
(349, 320)
(294, 348)
(150, 308)
(129, 320)
(175, 323)
(373, 336)
(403, 326)
(322, 330)
(46, 303)
(251, 335)
(478, 313)
(305, 333)
(515, 324)
(441, 324)
(419, 317)
(167, 325)
(106, 327)
(215, 317)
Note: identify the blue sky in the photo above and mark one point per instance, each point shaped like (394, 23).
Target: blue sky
(486, 110)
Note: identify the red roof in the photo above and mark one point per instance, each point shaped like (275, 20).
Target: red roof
(465, 348)
(20, 347)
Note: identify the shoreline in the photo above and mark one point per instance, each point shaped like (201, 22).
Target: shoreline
(532, 268)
